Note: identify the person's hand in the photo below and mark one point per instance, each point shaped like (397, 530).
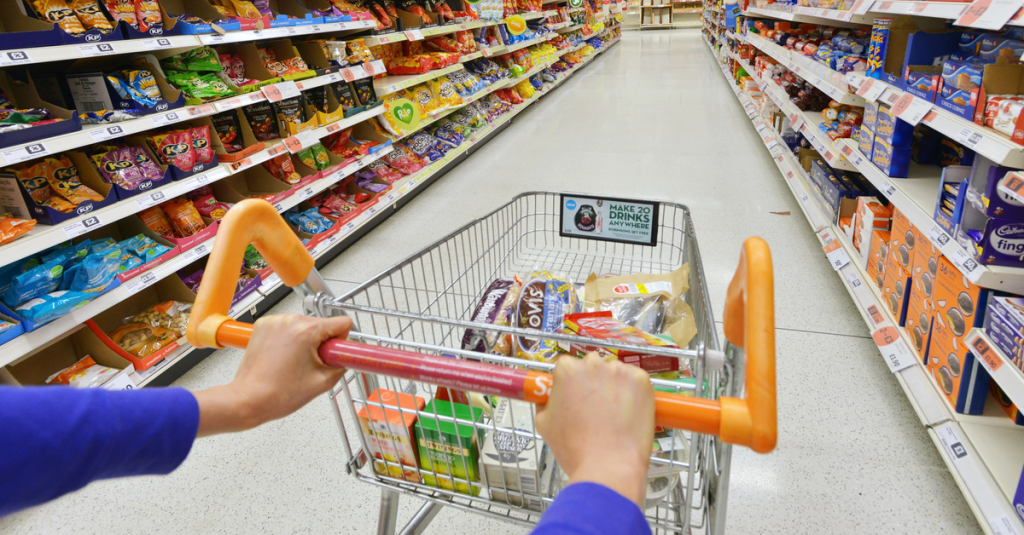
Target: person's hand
(279, 373)
(599, 423)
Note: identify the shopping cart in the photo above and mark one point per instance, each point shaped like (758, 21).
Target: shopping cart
(411, 320)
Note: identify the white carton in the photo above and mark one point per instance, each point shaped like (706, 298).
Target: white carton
(513, 461)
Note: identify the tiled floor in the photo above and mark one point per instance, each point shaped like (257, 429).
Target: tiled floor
(651, 118)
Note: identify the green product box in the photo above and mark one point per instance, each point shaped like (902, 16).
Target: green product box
(448, 448)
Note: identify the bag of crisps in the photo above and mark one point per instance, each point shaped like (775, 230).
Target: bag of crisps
(63, 178)
(184, 217)
(445, 93)
(425, 97)
(281, 167)
(157, 221)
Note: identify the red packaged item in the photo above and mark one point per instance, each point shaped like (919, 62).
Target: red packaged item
(211, 207)
(175, 148)
(337, 208)
(403, 159)
(201, 144)
(385, 172)
(467, 45)
(338, 141)
(281, 167)
(413, 48)
(443, 43)
(603, 326)
(420, 64)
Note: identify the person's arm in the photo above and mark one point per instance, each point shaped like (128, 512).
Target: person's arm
(599, 423)
(55, 440)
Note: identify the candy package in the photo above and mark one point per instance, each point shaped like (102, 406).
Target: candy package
(228, 130)
(83, 374)
(281, 167)
(171, 315)
(488, 310)
(52, 305)
(12, 228)
(543, 303)
(184, 217)
(96, 272)
(141, 340)
(403, 159)
(156, 220)
(649, 302)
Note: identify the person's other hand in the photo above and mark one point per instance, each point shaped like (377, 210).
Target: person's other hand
(279, 373)
(599, 422)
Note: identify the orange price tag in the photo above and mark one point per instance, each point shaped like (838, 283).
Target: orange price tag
(930, 116)
(918, 7)
(789, 175)
(205, 109)
(368, 67)
(331, 128)
(240, 164)
(846, 150)
(293, 143)
(276, 149)
(987, 354)
(886, 6)
(272, 93)
(831, 246)
(348, 75)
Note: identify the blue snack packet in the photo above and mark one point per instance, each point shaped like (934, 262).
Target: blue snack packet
(97, 271)
(35, 282)
(129, 262)
(102, 245)
(52, 306)
(71, 255)
(143, 247)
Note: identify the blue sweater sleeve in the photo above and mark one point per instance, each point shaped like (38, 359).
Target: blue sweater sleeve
(58, 439)
(592, 509)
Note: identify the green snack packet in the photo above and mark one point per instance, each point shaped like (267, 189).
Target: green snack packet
(203, 59)
(175, 63)
(182, 79)
(307, 158)
(253, 259)
(210, 86)
(321, 159)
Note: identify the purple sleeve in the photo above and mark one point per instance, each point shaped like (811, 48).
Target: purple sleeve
(592, 509)
(58, 439)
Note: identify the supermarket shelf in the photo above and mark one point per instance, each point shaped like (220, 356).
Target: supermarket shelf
(43, 236)
(832, 83)
(277, 33)
(833, 17)
(1002, 369)
(559, 25)
(390, 84)
(999, 446)
(570, 28)
(354, 73)
(531, 42)
(915, 197)
(986, 141)
(659, 6)
(686, 24)
(369, 218)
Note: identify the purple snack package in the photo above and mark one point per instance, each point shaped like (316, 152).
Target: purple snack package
(486, 311)
(193, 280)
(150, 170)
(118, 167)
(263, 6)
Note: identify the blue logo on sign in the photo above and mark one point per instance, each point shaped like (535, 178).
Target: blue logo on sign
(570, 205)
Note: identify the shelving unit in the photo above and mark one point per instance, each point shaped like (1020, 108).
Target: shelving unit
(653, 14)
(983, 453)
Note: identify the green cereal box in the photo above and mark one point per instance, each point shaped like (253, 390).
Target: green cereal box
(448, 448)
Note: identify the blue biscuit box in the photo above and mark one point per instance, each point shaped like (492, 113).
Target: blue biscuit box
(994, 47)
(921, 83)
(892, 161)
(866, 141)
(870, 116)
(894, 131)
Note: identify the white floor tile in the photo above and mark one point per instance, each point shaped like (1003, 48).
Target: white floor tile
(651, 118)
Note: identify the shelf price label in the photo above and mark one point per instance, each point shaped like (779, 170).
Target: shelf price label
(28, 152)
(969, 136)
(870, 90)
(280, 91)
(1012, 187)
(837, 256)
(78, 228)
(145, 201)
(888, 189)
(962, 260)
(14, 57)
(938, 236)
(153, 44)
(911, 109)
(140, 283)
(103, 134)
(895, 351)
(166, 119)
(876, 315)
(795, 121)
(101, 49)
(989, 14)
(414, 35)
(988, 355)
(951, 442)
(306, 193)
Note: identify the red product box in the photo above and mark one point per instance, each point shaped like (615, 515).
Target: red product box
(602, 326)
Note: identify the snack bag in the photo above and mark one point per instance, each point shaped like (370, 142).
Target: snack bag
(651, 303)
(488, 310)
(123, 10)
(148, 14)
(12, 228)
(34, 282)
(317, 98)
(338, 141)
(201, 143)
(156, 220)
(390, 122)
(447, 134)
(142, 340)
(58, 12)
(444, 93)
(281, 167)
(290, 113)
(385, 172)
(63, 178)
(543, 303)
(343, 92)
(83, 374)
(525, 89)
(261, 120)
(171, 315)
(363, 88)
(418, 64)
(143, 247)
(425, 146)
(175, 148)
(403, 159)
(33, 177)
(253, 259)
(96, 272)
(229, 131)
(425, 97)
(210, 207)
(184, 217)
(90, 14)
(52, 306)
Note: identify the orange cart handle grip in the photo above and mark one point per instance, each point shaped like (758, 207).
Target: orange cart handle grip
(252, 221)
(750, 323)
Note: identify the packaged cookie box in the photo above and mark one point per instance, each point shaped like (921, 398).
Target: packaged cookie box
(21, 30)
(922, 81)
(953, 184)
(984, 180)
(969, 101)
(15, 199)
(528, 500)
(90, 90)
(1004, 324)
(920, 313)
(44, 363)
(895, 288)
(133, 226)
(389, 433)
(877, 256)
(1006, 404)
(147, 346)
(21, 91)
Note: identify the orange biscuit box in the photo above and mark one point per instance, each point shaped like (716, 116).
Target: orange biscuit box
(877, 256)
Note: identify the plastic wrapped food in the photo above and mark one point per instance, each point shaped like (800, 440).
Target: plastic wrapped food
(649, 302)
(63, 178)
(52, 306)
(201, 143)
(147, 13)
(385, 172)
(174, 148)
(34, 282)
(60, 13)
(172, 315)
(141, 340)
(425, 97)
(229, 131)
(253, 259)
(544, 301)
(210, 207)
(290, 113)
(109, 116)
(343, 93)
(445, 93)
(261, 119)
(123, 10)
(83, 374)
(488, 310)
(144, 247)
(281, 167)
(425, 146)
(12, 228)
(156, 220)
(96, 272)
(403, 159)
(364, 92)
(403, 65)
(184, 217)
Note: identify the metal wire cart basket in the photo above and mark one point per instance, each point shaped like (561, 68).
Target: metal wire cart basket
(471, 443)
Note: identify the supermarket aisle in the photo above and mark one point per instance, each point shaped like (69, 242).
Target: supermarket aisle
(651, 118)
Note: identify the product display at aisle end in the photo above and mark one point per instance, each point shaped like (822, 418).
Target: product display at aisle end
(900, 136)
(116, 169)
